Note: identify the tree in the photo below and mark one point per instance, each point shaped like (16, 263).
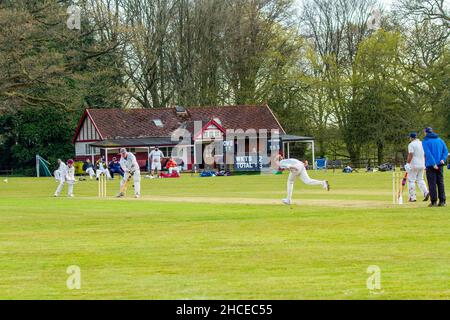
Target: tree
(335, 31)
(42, 130)
(43, 62)
(383, 118)
(48, 75)
(426, 10)
(249, 30)
(195, 53)
(425, 26)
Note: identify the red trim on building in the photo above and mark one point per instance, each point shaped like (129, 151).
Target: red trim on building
(86, 141)
(95, 126)
(205, 127)
(276, 119)
(80, 125)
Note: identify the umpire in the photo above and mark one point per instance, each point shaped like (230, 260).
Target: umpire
(436, 154)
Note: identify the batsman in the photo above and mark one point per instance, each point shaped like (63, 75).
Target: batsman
(130, 167)
(415, 168)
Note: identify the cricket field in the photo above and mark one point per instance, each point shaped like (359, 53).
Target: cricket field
(222, 238)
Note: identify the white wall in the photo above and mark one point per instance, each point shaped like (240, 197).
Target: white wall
(80, 149)
(88, 131)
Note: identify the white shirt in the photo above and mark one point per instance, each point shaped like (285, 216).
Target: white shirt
(130, 163)
(62, 167)
(156, 155)
(70, 173)
(292, 164)
(101, 166)
(418, 159)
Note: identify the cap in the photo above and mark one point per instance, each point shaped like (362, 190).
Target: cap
(413, 135)
(70, 161)
(123, 150)
(428, 130)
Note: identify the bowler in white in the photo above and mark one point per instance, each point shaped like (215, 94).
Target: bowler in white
(297, 169)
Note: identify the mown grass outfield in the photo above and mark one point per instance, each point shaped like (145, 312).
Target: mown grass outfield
(222, 238)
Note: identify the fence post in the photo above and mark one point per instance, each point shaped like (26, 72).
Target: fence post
(37, 166)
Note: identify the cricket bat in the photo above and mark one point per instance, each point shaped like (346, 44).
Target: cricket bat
(125, 185)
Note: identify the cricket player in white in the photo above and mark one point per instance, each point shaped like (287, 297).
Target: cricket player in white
(155, 160)
(67, 175)
(415, 168)
(102, 168)
(297, 169)
(58, 172)
(130, 166)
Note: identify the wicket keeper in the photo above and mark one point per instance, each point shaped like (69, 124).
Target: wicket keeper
(67, 175)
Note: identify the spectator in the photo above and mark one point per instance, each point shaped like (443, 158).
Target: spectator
(172, 165)
(88, 167)
(348, 169)
(114, 167)
(436, 154)
(369, 166)
(306, 164)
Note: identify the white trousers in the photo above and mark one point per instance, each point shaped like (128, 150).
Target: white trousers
(416, 175)
(303, 175)
(177, 169)
(136, 181)
(57, 174)
(90, 172)
(105, 171)
(70, 184)
(156, 166)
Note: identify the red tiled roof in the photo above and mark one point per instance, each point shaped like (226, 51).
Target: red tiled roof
(138, 123)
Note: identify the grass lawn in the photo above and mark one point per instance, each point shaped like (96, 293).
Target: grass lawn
(222, 238)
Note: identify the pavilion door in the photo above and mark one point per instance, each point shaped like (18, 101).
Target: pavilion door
(212, 155)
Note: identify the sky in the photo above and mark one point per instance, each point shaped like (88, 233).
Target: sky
(386, 3)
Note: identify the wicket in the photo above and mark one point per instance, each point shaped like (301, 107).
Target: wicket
(398, 183)
(102, 185)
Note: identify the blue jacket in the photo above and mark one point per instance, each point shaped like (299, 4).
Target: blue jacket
(115, 166)
(435, 150)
